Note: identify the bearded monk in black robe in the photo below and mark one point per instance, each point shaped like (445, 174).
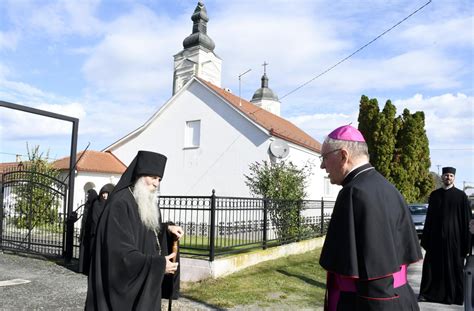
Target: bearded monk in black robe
(371, 238)
(447, 241)
(129, 263)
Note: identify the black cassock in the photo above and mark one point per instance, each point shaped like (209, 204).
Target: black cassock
(370, 242)
(446, 239)
(127, 271)
(87, 233)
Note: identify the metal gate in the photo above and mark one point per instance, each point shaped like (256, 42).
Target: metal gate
(33, 213)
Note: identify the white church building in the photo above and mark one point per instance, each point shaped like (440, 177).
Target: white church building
(211, 136)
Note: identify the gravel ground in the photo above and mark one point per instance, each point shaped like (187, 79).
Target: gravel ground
(52, 286)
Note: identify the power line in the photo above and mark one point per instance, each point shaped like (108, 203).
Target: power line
(357, 51)
(452, 149)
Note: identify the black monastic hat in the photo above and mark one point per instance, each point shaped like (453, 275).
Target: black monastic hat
(449, 169)
(145, 163)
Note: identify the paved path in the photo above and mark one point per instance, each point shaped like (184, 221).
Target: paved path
(53, 287)
(414, 278)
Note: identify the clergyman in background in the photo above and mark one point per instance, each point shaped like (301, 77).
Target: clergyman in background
(447, 241)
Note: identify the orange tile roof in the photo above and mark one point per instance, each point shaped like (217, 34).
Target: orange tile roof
(93, 161)
(8, 166)
(277, 126)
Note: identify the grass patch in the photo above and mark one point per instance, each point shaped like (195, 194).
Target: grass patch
(198, 245)
(296, 280)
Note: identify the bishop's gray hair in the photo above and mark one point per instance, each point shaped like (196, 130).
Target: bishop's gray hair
(357, 149)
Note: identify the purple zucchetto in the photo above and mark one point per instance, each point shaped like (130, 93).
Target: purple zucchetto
(348, 133)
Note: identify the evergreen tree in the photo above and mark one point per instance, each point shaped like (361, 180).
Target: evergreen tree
(398, 147)
(385, 140)
(36, 199)
(368, 123)
(410, 170)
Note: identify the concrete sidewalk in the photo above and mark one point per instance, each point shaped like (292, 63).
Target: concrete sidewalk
(414, 278)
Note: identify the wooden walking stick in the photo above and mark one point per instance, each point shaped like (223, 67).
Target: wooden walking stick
(174, 249)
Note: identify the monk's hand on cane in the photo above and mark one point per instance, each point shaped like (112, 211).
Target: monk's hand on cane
(171, 267)
(177, 231)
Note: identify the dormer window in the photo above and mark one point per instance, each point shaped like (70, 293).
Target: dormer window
(192, 134)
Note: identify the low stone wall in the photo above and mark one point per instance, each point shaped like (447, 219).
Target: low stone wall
(193, 270)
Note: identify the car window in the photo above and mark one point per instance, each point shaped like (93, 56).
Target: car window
(418, 209)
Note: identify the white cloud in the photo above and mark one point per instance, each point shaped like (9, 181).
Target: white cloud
(133, 61)
(455, 32)
(319, 125)
(449, 118)
(23, 125)
(62, 17)
(422, 68)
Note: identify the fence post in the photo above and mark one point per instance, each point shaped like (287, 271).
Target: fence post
(265, 218)
(213, 226)
(2, 210)
(299, 205)
(322, 215)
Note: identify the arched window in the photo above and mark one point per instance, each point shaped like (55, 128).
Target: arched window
(88, 186)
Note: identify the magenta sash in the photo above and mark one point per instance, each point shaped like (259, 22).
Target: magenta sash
(337, 283)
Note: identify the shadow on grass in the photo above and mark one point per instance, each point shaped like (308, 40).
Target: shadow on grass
(303, 278)
(202, 303)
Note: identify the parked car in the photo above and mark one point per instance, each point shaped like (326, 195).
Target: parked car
(418, 215)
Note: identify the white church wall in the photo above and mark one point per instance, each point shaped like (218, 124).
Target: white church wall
(228, 144)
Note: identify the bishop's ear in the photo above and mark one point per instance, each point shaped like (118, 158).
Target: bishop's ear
(344, 154)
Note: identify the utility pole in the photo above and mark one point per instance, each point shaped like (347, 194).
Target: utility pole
(240, 99)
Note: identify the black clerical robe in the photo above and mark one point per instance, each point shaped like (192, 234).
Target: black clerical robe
(370, 242)
(87, 232)
(446, 239)
(127, 270)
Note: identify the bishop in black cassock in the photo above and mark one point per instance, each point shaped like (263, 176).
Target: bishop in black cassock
(371, 238)
(446, 239)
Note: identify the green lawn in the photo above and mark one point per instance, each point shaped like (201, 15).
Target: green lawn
(199, 245)
(296, 280)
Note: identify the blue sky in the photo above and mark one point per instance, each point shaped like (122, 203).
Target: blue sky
(110, 64)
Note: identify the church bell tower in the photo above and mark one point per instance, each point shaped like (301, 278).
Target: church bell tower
(198, 57)
(264, 97)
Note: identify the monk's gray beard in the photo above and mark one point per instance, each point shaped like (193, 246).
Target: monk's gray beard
(147, 204)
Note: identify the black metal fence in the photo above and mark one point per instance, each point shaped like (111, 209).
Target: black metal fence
(222, 225)
(32, 216)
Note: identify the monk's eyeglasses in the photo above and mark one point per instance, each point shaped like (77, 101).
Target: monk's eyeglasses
(324, 155)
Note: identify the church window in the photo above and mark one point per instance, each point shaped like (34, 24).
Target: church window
(192, 135)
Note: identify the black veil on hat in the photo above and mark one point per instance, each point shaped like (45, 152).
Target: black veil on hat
(449, 169)
(145, 163)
